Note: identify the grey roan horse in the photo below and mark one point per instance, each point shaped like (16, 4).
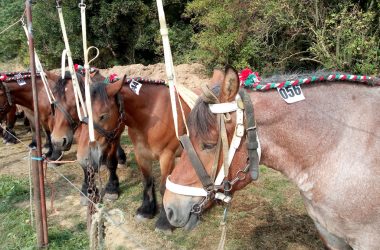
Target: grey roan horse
(328, 145)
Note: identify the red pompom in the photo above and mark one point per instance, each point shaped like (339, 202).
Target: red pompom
(244, 74)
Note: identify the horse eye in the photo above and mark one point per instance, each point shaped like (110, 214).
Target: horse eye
(208, 146)
(103, 117)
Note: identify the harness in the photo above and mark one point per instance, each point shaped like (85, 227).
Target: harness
(219, 188)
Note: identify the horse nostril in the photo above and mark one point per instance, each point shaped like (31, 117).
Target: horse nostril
(64, 141)
(169, 213)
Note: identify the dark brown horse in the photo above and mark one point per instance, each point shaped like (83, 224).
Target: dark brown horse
(328, 145)
(145, 108)
(13, 91)
(67, 124)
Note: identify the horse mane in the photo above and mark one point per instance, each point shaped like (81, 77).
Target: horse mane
(201, 118)
(60, 86)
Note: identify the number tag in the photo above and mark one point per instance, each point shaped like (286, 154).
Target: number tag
(291, 94)
(135, 86)
(20, 79)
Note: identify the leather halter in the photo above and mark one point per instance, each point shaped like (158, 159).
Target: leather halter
(111, 135)
(6, 107)
(211, 188)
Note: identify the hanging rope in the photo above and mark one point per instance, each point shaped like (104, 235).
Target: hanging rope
(40, 70)
(86, 50)
(82, 112)
(170, 68)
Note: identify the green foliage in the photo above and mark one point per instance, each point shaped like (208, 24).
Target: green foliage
(269, 36)
(286, 35)
(12, 41)
(348, 41)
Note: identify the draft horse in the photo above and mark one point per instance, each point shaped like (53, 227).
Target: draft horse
(67, 127)
(144, 107)
(328, 145)
(18, 90)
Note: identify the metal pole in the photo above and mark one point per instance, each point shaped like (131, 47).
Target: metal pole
(41, 221)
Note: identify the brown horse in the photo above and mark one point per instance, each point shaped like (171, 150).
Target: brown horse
(12, 92)
(328, 145)
(67, 124)
(147, 113)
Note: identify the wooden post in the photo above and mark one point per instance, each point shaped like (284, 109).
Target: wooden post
(38, 174)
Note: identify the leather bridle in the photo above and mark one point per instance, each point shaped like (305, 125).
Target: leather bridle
(111, 135)
(219, 189)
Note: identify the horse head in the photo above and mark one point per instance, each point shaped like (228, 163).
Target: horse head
(107, 113)
(219, 119)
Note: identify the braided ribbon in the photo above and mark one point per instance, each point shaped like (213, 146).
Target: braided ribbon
(250, 79)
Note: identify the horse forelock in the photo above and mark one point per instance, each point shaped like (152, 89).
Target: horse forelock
(60, 86)
(201, 119)
(98, 91)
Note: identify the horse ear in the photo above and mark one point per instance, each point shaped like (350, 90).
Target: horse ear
(113, 88)
(217, 77)
(230, 85)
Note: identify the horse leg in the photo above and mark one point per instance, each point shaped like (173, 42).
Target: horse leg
(166, 165)
(112, 189)
(121, 156)
(10, 135)
(331, 241)
(148, 208)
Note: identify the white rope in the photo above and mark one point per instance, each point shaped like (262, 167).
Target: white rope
(78, 96)
(48, 91)
(82, 7)
(169, 64)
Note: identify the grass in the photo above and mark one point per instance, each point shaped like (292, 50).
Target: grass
(15, 229)
(267, 214)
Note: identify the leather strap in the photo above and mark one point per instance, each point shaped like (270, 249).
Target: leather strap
(252, 143)
(196, 163)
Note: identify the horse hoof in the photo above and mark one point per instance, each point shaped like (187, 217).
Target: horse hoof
(164, 231)
(140, 218)
(83, 201)
(119, 165)
(111, 197)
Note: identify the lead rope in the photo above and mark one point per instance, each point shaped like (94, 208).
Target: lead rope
(223, 224)
(78, 96)
(170, 68)
(48, 91)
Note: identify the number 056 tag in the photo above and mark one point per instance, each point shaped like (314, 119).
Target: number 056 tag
(291, 94)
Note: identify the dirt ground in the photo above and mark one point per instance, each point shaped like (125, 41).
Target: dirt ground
(259, 219)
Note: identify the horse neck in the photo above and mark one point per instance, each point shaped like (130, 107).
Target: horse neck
(297, 138)
(138, 108)
(21, 95)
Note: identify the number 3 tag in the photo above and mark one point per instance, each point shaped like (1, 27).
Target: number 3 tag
(291, 94)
